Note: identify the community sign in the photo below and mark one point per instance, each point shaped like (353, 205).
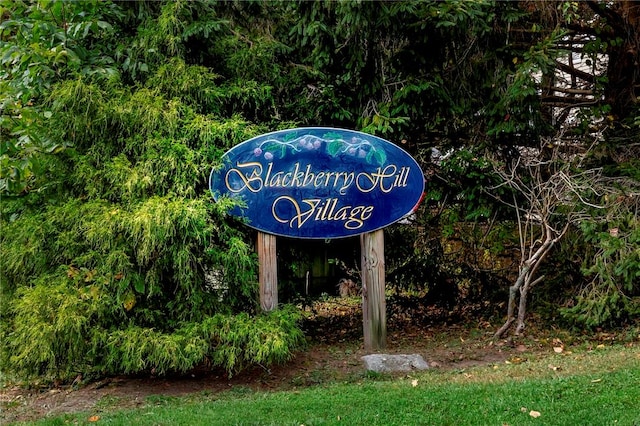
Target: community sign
(318, 182)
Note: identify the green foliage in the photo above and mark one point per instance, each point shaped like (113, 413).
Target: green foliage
(468, 184)
(374, 71)
(516, 111)
(612, 264)
(229, 342)
(51, 325)
(43, 43)
(59, 330)
(114, 257)
(264, 339)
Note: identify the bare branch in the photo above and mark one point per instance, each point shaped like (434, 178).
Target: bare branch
(576, 72)
(587, 92)
(549, 196)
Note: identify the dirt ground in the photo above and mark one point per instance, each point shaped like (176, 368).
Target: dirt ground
(333, 354)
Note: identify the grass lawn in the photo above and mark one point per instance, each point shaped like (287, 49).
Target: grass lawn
(586, 387)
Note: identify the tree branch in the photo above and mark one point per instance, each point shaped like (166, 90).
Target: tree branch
(574, 71)
(587, 92)
(566, 101)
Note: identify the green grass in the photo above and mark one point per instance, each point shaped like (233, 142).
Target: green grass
(597, 387)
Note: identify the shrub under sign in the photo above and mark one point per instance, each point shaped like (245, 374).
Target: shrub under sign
(318, 182)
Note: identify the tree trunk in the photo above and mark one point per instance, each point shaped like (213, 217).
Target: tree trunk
(522, 306)
(511, 306)
(623, 71)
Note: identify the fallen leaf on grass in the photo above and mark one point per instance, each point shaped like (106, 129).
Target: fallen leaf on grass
(93, 418)
(596, 380)
(414, 383)
(534, 414)
(554, 368)
(558, 349)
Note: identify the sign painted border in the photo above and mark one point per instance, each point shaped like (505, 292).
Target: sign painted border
(318, 182)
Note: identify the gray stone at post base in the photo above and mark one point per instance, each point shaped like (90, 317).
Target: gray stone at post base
(385, 363)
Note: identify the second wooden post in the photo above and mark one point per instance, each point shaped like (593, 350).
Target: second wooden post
(374, 309)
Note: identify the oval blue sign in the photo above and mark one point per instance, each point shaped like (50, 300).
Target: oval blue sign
(318, 182)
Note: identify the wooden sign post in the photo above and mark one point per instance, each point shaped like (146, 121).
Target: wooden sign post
(374, 312)
(268, 273)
